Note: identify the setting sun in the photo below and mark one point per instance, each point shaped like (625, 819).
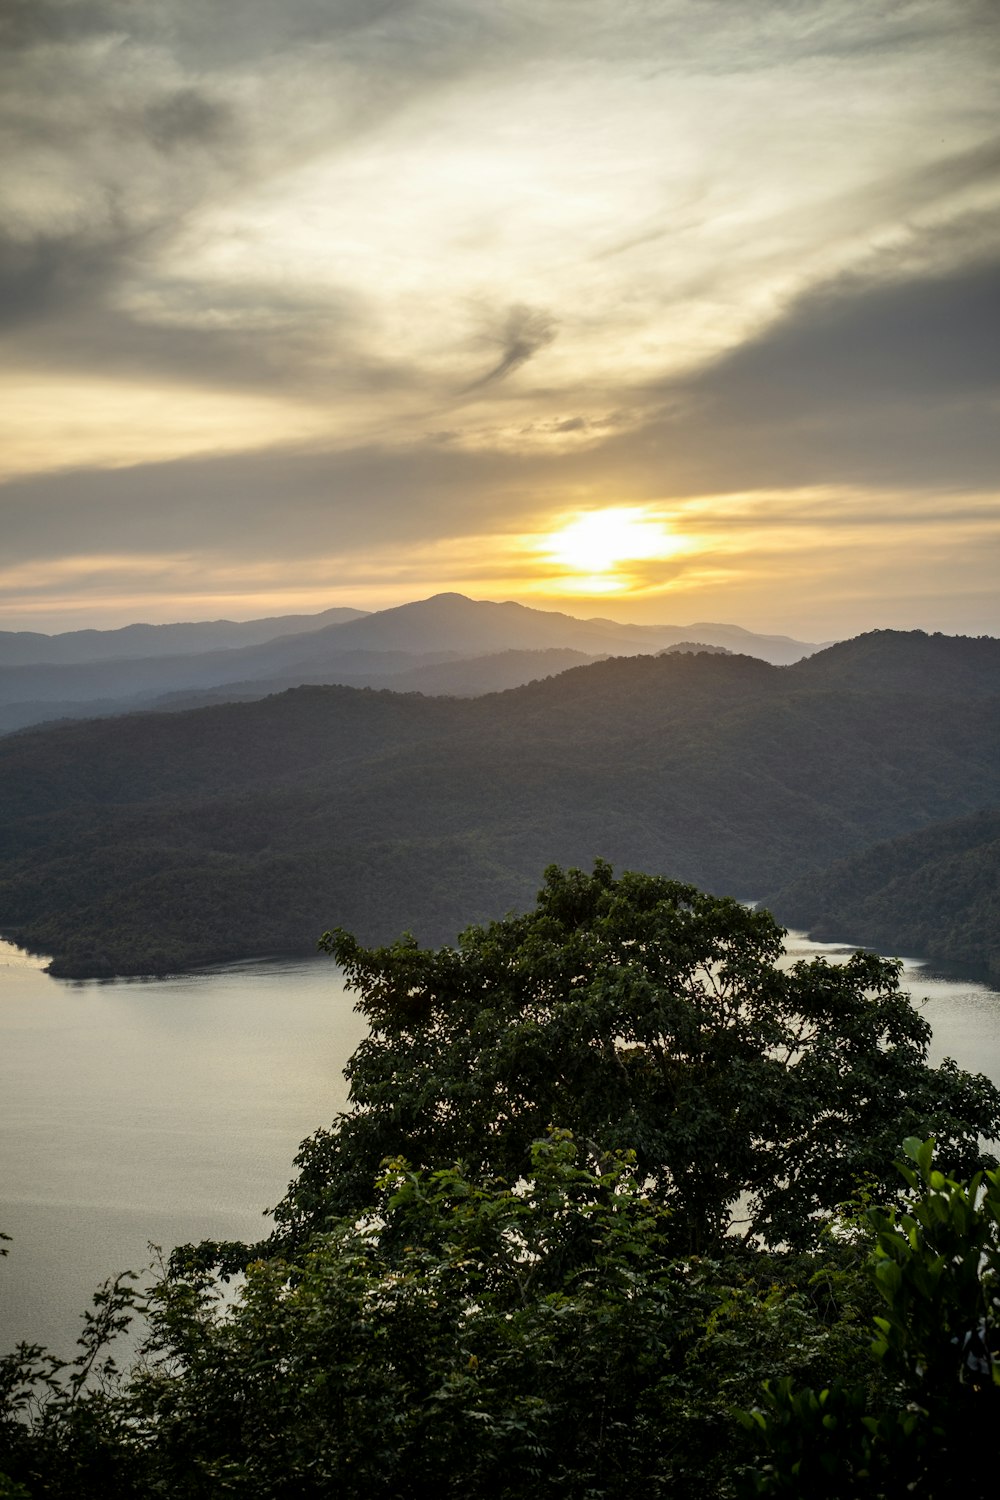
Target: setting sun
(601, 543)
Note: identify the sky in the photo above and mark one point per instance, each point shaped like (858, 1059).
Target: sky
(672, 311)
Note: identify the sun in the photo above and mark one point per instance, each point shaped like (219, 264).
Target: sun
(597, 547)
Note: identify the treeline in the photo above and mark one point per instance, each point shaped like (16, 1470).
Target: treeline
(151, 842)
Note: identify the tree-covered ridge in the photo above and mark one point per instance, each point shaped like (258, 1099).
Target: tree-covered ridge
(935, 893)
(151, 842)
(903, 661)
(508, 1306)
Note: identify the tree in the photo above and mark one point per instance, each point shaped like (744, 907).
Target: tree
(461, 1337)
(491, 1274)
(936, 1263)
(642, 1015)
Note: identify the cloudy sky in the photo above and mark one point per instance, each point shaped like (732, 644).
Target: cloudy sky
(659, 309)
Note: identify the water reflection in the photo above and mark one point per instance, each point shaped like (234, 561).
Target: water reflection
(964, 1013)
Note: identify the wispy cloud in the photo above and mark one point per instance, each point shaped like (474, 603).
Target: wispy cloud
(523, 332)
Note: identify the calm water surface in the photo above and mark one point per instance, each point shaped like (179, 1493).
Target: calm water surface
(165, 1111)
(170, 1110)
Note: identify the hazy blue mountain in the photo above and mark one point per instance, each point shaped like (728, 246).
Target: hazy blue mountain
(402, 672)
(487, 627)
(692, 647)
(356, 652)
(287, 661)
(935, 894)
(780, 650)
(494, 673)
(154, 841)
(28, 647)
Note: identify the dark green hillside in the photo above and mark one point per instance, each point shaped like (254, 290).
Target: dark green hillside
(902, 661)
(935, 893)
(152, 841)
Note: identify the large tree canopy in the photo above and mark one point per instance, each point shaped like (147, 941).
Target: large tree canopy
(642, 1015)
(490, 1275)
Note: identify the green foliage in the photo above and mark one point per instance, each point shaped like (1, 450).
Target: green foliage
(463, 1336)
(461, 1331)
(936, 1264)
(64, 1425)
(642, 1015)
(507, 1270)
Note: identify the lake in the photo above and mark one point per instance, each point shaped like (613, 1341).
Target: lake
(170, 1110)
(160, 1110)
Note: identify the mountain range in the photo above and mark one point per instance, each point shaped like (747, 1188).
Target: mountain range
(150, 842)
(84, 674)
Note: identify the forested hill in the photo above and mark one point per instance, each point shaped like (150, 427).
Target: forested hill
(154, 841)
(908, 661)
(935, 893)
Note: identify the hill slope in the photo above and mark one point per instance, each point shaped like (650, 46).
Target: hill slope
(154, 841)
(935, 893)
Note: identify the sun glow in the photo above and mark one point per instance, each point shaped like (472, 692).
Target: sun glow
(604, 551)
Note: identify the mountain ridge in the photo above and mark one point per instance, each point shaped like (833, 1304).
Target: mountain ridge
(425, 632)
(158, 841)
(126, 642)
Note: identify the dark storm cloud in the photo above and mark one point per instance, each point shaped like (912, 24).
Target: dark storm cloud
(429, 36)
(246, 339)
(104, 153)
(58, 264)
(187, 116)
(212, 30)
(82, 285)
(948, 174)
(50, 274)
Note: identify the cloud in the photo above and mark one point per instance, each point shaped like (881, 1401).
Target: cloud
(854, 341)
(49, 273)
(863, 380)
(865, 383)
(764, 234)
(125, 127)
(31, 23)
(523, 332)
(186, 116)
(282, 502)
